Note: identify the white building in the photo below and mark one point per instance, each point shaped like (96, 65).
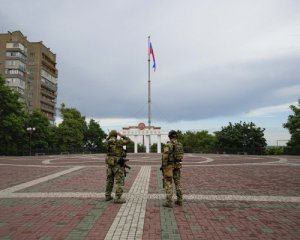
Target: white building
(142, 134)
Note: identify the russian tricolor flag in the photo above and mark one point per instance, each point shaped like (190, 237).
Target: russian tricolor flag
(153, 57)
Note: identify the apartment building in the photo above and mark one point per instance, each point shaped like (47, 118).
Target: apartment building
(30, 68)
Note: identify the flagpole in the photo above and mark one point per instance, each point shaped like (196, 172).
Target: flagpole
(149, 94)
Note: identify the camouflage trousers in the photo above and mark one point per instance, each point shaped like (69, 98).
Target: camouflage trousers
(172, 172)
(115, 175)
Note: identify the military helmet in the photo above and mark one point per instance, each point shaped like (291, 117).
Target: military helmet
(172, 134)
(113, 133)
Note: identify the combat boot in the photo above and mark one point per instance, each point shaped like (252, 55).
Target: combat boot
(108, 198)
(119, 200)
(168, 204)
(178, 202)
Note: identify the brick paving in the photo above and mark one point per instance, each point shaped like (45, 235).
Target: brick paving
(129, 222)
(13, 175)
(226, 197)
(242, 180)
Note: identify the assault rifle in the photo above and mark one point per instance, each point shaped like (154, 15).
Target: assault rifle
(122, 162)
(163, 176)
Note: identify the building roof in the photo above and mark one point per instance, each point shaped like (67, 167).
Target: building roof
(137, 127)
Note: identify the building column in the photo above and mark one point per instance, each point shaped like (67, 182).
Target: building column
(158, 143)
(147, 139)
(135, 144)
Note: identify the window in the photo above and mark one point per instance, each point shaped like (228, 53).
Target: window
(22, 66)
(15, 64)
(16, 45)
(14, 72)
(49, 77)
(11, 54)
(20, 90)
(16, 54)
(10, 63)
(16, 82)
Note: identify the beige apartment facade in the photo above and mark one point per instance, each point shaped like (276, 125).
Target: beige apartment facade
(30, 69)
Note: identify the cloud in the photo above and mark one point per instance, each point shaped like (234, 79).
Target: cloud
(230, 89)
(270, 111)
(214, 59)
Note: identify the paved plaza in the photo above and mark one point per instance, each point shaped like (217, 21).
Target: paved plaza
(225, 197)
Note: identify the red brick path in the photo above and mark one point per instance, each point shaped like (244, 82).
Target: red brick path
(91, 218)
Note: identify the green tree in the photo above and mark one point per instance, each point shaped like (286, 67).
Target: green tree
(141, 148)
(53, 140)
(94, 137)
(12, 119)
(274, 150)
(130, 147)
(71, 131)
(241, 137)
(154, 147)
(293, 125)
(40, 136)
(200, 141)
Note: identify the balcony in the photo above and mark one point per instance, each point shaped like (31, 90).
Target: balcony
(50, 102)
(17, 47)
(16, 85)
(46, 110)
(14, 74)
(49, 68)
(49, 85)
(16, 55)
(49, 114)
(50, 94)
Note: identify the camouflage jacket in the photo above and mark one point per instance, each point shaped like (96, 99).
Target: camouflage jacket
(167, 156)
(115, 146)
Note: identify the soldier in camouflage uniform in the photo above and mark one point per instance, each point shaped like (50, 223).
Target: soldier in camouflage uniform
(172, 171)
(115, 173)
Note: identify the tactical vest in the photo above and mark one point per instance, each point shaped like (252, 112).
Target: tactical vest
(177, 153)
(115, 149)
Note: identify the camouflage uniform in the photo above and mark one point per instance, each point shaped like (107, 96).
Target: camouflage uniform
(115, 173)
(172, 171)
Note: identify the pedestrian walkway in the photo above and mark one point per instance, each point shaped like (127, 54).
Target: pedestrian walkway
(129, 222)
(225, 197)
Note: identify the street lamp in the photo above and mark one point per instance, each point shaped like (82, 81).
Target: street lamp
(30, 130)
(244, 142)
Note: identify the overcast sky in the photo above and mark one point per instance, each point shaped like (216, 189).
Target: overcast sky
(217, 61)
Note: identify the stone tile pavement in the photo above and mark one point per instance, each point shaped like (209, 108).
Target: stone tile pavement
(226, 197)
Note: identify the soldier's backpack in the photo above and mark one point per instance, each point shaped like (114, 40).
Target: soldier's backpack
(178, 151)
(114, 148)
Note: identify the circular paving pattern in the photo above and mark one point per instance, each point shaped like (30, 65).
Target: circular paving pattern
(225, 197)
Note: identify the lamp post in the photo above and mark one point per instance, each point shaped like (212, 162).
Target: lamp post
(244, 142)
(30, 130)
(247, 138)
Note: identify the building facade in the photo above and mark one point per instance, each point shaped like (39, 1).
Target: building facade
(30, 68)
(145, 135)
